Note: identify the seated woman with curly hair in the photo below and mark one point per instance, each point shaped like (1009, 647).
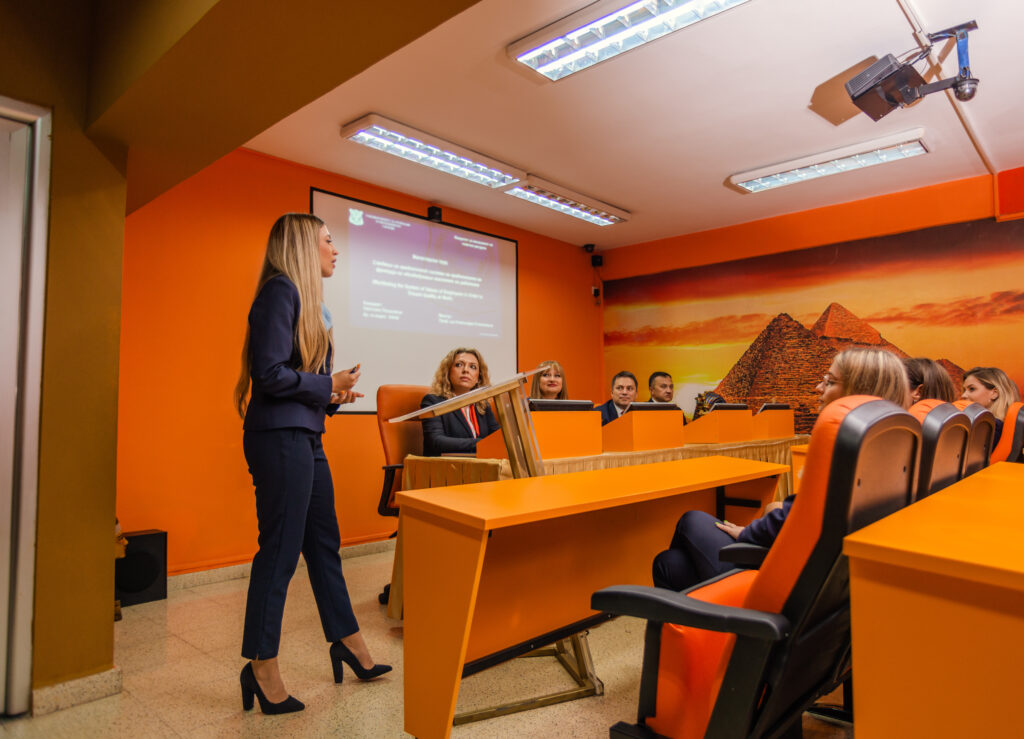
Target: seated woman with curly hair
(460, 371)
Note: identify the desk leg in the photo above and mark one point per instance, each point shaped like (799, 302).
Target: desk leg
(442, 562)
(395, 593)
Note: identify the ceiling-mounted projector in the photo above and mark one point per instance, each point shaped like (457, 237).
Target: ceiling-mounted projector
(888, 83)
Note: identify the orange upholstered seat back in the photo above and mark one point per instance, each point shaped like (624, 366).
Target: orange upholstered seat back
(694, 664)
(983, 429)
(1009, 447)
(945, 434)
(406, 437)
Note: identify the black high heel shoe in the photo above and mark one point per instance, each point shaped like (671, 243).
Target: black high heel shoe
(251, 688)
(340, 653)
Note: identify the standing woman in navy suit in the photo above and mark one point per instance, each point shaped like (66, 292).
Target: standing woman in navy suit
(286, 363)
(460, 371)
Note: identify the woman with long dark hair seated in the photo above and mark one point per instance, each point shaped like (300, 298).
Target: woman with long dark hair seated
(460, 371)
(928, 380)
(692, 557)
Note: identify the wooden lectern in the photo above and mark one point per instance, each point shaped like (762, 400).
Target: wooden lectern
(513, 414)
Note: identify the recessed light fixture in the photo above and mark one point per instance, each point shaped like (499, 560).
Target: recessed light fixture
(417, 146)
(606, 29)
(893, 148)
(536, 190)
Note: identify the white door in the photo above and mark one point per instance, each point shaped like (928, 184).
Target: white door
(24, 185)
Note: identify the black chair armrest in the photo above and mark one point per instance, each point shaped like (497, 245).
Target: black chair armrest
(743, 555)
(668, 606)
(383, 509)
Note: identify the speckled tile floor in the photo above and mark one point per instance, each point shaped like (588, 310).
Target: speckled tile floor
(180, 659)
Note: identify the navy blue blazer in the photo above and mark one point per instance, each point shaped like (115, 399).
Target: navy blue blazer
(450, 432)
(282, 396)
(608, 413)
(762, 531)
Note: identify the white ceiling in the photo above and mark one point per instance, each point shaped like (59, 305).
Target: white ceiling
(658, 131)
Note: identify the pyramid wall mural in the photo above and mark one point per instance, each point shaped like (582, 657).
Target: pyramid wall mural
(766, 329)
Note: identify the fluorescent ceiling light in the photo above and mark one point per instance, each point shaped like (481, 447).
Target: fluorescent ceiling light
(579, 41)
(536, 190)
(408, 143)
(895, 147)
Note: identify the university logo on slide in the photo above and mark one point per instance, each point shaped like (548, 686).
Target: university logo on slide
(355, 217)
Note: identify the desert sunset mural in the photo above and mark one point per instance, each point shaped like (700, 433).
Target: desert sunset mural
(762, 327)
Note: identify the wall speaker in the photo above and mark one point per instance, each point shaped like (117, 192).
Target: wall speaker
(141, 575)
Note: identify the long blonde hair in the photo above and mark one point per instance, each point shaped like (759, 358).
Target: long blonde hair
(873, 372)
(442, 384)
(995, 379)
(293, 250)
(535, 391)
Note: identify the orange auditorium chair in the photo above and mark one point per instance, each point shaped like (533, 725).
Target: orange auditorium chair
(945, 434)
(983, 431)
(743, 654)
(1011, 442)
(398, 439)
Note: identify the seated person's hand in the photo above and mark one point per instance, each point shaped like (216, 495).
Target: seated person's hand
(774, 505)
(730, 528)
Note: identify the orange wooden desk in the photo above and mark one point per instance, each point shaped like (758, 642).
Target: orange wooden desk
(493, 565)
(937, 607)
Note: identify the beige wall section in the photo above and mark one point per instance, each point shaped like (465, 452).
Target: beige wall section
(243, 66)
(131, 35)
(43, 60)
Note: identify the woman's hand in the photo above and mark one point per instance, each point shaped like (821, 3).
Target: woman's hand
(345, 379)
(346, 396)
(730, 528)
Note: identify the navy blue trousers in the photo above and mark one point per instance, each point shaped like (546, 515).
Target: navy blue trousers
(692, 556)
(295, 512)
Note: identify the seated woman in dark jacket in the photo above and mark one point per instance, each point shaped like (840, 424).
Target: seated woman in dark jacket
(460, 371)
(692, 556)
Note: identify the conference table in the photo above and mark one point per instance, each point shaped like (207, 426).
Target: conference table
(432, 472)
(427, 472)
(937, 612)
(493, 569)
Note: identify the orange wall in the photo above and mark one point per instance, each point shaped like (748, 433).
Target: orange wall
(191, 261)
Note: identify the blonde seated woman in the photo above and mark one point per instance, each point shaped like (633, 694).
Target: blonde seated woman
(549, 384)
(991, 388)
(692, 556)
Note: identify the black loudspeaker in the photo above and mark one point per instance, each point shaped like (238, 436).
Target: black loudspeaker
(141, 575)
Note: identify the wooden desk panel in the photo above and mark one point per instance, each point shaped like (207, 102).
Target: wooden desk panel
(937, 612)
(492, 565)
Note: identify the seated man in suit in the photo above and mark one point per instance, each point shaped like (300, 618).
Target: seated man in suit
(661, 387)
(623, 393)
(460, 371)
